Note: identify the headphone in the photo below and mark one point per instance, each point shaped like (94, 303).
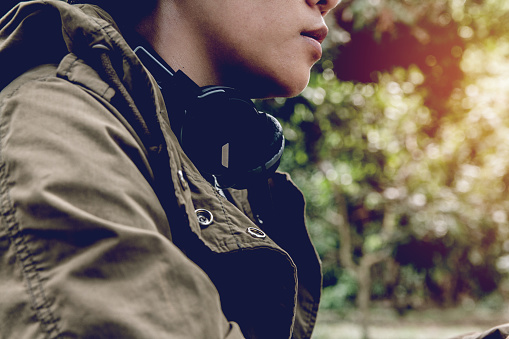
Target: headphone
(218, 128)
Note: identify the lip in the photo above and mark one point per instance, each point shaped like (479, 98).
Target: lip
(316, 37)
(318, 34)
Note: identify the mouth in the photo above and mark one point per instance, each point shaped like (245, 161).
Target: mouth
(318, 34)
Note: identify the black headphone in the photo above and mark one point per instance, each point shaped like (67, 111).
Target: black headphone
(219, 129)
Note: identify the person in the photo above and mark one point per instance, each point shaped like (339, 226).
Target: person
(138, 184)
(497, 332)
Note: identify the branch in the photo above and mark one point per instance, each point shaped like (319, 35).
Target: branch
(370, 259)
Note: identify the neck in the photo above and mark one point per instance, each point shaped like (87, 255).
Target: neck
(173, 37)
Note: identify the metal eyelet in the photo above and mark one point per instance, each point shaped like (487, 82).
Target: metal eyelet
(256, 232)
(205, 217)
(101, 46)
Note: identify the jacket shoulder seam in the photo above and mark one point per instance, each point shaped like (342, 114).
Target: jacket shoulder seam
(29, 80)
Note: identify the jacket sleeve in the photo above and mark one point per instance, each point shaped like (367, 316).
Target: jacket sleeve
(498, 332)
(81, 246)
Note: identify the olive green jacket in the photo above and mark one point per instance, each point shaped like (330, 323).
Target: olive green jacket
(99, 234)
(498, 332)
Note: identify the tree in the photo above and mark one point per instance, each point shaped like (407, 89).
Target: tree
(401, 146)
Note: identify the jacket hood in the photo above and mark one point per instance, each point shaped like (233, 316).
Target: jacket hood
(38, 32)
(42, 32)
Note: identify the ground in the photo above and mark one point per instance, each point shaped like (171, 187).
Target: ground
(422, 324)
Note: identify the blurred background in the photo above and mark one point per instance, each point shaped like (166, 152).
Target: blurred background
(401, 146)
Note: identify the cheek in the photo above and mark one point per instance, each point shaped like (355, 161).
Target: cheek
(270, 66)
(291, 62)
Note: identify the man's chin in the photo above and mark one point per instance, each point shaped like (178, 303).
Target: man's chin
(276, 90)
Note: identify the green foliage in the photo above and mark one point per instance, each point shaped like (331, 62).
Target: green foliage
(418, 156)
(340, 296)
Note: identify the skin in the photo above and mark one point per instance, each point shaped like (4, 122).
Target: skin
(264, 48)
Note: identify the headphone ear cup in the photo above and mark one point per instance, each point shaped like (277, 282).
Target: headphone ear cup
(276, 145)
(219, 129)
(224, 135)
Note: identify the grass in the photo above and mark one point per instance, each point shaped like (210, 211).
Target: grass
(424, 324)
